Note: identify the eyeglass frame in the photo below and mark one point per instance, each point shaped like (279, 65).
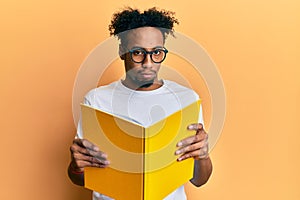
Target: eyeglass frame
(131, 51)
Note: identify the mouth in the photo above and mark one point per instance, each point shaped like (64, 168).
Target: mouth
(147, 75)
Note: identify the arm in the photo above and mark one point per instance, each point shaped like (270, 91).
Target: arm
(84, 154)
(202, 171)
(196, 147)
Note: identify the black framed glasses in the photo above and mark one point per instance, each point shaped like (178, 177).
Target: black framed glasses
(138, 55)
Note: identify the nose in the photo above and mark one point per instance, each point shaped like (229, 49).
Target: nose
(147, 62)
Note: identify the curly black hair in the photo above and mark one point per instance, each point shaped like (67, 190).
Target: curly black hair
(130, 18)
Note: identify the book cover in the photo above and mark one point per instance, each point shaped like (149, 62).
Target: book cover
(143, 164)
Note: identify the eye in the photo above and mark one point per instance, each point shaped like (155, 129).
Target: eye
(156, 52)
(138, 52)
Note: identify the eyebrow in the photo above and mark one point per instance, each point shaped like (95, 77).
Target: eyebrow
(138, 47)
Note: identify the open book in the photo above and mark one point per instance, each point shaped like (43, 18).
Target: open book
(143, 161)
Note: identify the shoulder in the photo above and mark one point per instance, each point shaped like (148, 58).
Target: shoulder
(175, 85)
(99, 92)
(178, 88)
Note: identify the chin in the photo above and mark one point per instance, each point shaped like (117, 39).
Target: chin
(145, 83)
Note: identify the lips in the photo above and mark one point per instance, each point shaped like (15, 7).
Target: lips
(147, 74)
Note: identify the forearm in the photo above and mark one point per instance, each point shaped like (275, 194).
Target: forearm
(202, 171)
(76, 177)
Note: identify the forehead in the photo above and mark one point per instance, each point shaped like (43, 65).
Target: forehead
(145, 37)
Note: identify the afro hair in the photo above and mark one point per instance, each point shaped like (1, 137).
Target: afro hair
(130, 18)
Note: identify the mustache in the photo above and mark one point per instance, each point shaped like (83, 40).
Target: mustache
(145, 71)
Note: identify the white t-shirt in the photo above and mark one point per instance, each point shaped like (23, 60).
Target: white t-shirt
(143, 107)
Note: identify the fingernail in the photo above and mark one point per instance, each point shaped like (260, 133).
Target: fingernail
(179, 144)
(96, 149)
(179, 159)
(177, 152)
(104, 155)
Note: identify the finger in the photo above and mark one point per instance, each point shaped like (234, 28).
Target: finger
(78, 158)
(82, 164)
(100, 166)
(198, 154)
(192, 147)
(97, 154)
(92, 159)
(192, 139)
(85, 147)
(85, 143)
(195, 127)
(81, 152)
(189, 155)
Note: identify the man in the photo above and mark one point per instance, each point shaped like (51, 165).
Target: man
(141, 96)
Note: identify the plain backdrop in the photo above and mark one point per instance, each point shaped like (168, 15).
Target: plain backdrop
(255, 45)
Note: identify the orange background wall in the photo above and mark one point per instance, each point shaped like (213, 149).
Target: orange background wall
(254, 44)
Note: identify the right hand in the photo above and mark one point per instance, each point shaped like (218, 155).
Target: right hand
(86, 154)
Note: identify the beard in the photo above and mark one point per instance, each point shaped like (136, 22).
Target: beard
(143, 83)
(140, 82)
(146, 84)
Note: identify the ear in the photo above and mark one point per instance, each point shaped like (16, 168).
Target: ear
(121, 52)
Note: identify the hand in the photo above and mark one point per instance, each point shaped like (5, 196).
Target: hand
(86, 154)
(195, 146)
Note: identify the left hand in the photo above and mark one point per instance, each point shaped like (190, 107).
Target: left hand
(195, 146)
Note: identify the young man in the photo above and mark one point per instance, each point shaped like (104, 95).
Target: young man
(141, 96)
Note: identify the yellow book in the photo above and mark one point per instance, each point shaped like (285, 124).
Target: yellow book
(143, 164)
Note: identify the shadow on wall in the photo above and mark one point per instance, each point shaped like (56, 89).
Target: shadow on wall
(80, 193)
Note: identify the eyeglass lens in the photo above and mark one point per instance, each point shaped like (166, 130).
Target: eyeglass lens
(139, 55)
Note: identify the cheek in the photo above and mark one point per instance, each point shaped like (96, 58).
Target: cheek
(156, 67)
(128, 63)
(132, 67)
